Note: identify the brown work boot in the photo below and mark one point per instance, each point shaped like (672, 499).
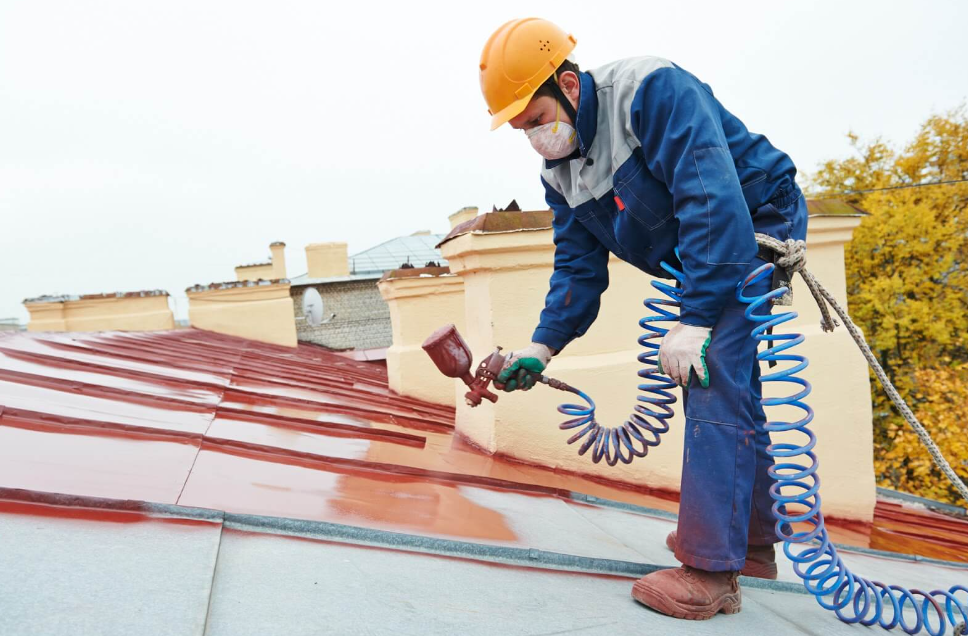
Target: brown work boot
(760, 559)
(689, 593)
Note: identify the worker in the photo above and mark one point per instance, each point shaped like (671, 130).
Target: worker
(640, 158)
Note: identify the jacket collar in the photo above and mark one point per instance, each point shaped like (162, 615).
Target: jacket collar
(587, 121)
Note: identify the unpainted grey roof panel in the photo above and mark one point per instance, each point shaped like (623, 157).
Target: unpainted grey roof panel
(83, 577)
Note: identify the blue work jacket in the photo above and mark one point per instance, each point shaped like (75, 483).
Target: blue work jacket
(660, 164)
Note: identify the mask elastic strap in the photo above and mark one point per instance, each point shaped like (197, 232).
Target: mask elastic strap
(562, 98)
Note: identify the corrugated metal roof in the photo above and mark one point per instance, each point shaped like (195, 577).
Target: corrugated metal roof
(141, 471)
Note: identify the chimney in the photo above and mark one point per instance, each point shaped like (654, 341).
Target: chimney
(278, 250)
(326, 260)
(462, 215)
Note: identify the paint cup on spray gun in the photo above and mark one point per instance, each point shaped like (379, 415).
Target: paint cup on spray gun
(453, 358)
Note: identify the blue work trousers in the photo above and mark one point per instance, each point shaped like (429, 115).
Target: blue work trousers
(725, 502)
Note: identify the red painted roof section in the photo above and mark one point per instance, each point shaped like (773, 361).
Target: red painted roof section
(201, 419)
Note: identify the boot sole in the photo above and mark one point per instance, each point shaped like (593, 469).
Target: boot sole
(650, 597)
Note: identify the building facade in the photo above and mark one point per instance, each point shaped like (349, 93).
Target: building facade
(358, 317)
(354, 313)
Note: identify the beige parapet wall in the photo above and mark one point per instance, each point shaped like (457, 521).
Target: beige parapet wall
(420, 300)
(505, 260)
(258, 310)
(46, 314)
(123, 311)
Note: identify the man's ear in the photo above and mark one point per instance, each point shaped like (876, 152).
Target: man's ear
(570, 86)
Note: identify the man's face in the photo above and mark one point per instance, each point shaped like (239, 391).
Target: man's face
(540, 110)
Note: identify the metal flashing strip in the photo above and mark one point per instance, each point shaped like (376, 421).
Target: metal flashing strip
(463, 549)
(356, 535)
(592, 500)
(446, 547)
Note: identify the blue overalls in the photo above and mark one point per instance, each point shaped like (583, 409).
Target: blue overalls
(662, 164)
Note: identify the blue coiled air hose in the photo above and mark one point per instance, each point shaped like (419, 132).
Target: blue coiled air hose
(853, 598)
(638, 434)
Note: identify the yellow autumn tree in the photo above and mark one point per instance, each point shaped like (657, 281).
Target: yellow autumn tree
(907, 282)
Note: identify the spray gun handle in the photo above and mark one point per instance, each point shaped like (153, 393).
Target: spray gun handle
(486, 373)
(477, 393)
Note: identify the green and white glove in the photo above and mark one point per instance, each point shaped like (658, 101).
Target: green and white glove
(683, 349)
(521, 364)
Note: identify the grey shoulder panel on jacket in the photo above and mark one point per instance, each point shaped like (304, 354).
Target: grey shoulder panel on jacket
(615, 87)
(632, 69)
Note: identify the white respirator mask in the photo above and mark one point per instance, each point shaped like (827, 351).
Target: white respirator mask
(553, 140)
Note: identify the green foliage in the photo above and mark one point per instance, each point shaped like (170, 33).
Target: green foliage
(907, 283)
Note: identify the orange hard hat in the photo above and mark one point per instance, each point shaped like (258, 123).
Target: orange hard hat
(516, 61)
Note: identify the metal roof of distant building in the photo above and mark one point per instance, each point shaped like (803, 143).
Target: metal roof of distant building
(417, 250)
(145, 471)
(833, 207)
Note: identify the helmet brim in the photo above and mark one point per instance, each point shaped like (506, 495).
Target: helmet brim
(511, 111)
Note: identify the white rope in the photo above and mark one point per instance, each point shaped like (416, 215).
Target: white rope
(793, 256)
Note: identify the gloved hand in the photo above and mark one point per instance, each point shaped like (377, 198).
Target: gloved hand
(684, 348)
(519, 366)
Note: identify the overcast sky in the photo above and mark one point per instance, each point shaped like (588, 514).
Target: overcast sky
(159, 144)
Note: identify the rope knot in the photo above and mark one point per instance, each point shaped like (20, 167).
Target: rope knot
(793, 255)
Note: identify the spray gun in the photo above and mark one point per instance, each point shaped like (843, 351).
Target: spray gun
(453, 358)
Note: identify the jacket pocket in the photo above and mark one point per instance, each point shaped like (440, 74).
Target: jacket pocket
(637, 186)
(722, 210)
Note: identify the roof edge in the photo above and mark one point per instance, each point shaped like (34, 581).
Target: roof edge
(349, 278)
(502, 222)
(415, 272)
(832, 206)
(235, 284)
(887, 493)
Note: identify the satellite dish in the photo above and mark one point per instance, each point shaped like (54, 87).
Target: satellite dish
(313, 308)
